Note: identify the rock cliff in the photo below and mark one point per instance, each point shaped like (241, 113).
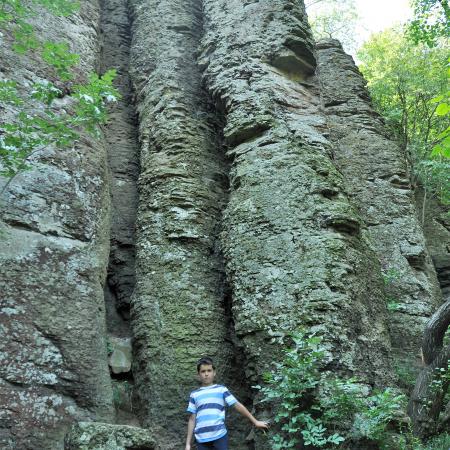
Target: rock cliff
(54, 250)
(242, 188)
(376, 172)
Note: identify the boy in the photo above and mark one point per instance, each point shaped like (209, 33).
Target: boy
(207, 408)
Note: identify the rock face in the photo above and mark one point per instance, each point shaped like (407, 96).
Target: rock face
(180, 307)
(121, 137)
(103, 436)
(377, 178)
(54, 248)
(436, 225)
(123, 157)
(269, 199)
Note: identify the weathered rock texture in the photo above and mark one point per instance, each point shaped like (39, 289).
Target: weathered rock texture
(292, 240)
(122, 145)
(121, 137)
(268, 200)
(436, 225)
(179, 309)
(54, 249)
(375, 169)
(102, 436)
(426, 403)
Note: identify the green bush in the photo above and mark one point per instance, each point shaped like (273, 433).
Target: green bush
(441, 442)
(315, 409)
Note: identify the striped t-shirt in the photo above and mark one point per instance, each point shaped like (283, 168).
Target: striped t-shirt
(208, 404)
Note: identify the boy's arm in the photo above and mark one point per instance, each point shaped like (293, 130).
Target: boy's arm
(190, 431)
(241, 409)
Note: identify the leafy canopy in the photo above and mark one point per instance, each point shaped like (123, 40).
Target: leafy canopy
(431, 21)
(335, 19)
(408, 83)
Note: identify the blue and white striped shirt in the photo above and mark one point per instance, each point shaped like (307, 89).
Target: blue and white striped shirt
(208, 404)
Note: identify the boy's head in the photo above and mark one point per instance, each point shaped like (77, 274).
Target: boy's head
(206, 371)
(205, 361)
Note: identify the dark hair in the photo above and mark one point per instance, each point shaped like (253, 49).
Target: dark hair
(205, 361)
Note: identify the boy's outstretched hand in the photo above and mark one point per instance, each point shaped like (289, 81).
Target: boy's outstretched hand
(262, 424)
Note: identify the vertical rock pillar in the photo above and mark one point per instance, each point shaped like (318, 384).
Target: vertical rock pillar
(178, 313)
(295, 255)
(54, 240)
(375, 168)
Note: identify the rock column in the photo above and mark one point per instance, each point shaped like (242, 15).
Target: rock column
(294, 251)
(178, 309)
(375, 169)
(54, 251)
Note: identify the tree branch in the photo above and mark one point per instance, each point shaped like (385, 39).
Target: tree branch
(427, 398)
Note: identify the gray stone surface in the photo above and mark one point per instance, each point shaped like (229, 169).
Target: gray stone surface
(179, 305)
(436, 225)
(293, 244)
(269, 200)
(103, 436)
(54, 248)
(120, 358)
(376, 172)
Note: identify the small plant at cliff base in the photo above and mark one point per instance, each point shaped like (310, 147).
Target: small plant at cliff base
(372, 421)
(441, 442)
(85, 105)
(440, 382)
(293, 386)
(317, 410)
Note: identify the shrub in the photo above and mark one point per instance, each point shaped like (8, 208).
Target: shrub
(315, 409)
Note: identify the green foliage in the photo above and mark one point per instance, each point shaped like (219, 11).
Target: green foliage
(59, 7)
(39, 124)
(392, 304)
(407, 82)
(441, 442)
(13, 10)
(381, 408)
(431, 21)
(406, 375)
(334, 19)
(58, 56)
(390, 275)
(291, 386)
(442, 145)
(315, 409)
(441, 377)
(14, 15)
(8, 92)
(91, 99)
(31, 132)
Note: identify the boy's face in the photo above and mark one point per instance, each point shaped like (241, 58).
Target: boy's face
(206, 374)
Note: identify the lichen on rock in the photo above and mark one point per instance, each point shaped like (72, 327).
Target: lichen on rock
(104, 436)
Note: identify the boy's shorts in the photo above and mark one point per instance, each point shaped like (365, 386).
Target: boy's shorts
(219, 444)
